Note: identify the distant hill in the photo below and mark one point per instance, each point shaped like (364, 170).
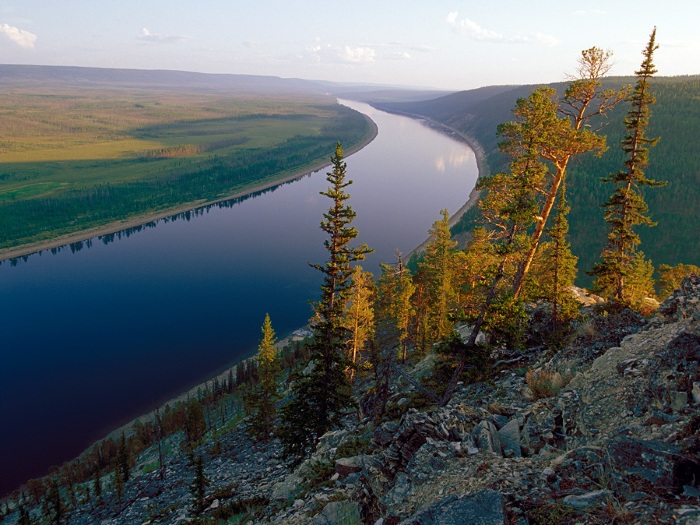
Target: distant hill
(19, 75)
(675, 118)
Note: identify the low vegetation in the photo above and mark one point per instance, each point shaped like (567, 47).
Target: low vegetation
(73, 159)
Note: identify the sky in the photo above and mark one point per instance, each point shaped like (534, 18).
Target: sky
(445, 44)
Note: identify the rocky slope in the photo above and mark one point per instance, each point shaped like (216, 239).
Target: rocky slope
(620, 443)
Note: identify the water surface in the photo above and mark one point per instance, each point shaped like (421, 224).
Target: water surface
(96, 335)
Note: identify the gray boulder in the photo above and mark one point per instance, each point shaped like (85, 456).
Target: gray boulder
(481, 508)
(339, 513)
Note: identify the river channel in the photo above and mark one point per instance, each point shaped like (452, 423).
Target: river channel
(98, 333)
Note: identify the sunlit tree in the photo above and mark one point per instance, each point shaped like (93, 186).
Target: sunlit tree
(626, 207)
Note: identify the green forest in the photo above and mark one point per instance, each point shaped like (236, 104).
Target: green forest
(80, 159)
(675, 118)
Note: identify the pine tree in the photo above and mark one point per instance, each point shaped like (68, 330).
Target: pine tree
(554, 271)
(626, 207)
(123, 459)
(359, 315)
(559, 138)
(395, 290)
(318, 399)
(437, 269)
(265, 394)
(199, 486)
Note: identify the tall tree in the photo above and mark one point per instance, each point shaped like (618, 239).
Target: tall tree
(626, 207)
(437, 269)
(359, 315)
(559, 138)
(395, 289)
(318, 399)
(555, 268)
(265, 395)
(198, 486)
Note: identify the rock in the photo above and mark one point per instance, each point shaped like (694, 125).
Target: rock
(486, 437)
(287, 489)
(696, 393)
(481, 508)
(339, 513)
(347, 466)
(584, 501)
(657, 462)
(510, 438)
(679, 400)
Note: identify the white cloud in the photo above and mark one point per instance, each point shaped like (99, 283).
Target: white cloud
(20, 37)
(147, 36)
(357, 54)
(472, 29)
(547, 40)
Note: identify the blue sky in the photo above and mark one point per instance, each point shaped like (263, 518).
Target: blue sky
(449, 44)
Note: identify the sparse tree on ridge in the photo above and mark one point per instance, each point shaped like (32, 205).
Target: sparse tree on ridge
(437, 270)
(265, 394)
(359, 315)
(558, 139)
(626, 207)
(395, 290)
(318, 399)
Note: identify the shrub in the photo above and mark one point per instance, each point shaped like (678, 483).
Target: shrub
(545, 383)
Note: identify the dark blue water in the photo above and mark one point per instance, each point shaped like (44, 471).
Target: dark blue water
(91, 338)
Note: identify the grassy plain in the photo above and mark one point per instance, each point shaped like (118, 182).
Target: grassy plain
(76, 159)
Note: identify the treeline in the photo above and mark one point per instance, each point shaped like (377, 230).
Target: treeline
(675, 118)
(72, 210)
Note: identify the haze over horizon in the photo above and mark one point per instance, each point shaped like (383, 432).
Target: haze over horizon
(451, 45)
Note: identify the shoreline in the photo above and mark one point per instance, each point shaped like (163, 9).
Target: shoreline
(222, 373)
(138, 220)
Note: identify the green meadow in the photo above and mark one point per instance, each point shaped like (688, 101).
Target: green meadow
(73, 159)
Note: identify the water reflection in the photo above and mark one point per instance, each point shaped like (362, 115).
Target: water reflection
(188, 215)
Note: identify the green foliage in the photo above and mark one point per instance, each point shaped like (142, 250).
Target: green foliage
(198, 486)
(436, 275)
(318, 399)
(626, 207)
(264, 395)
(41, 200)
(506, 321)
(195, 424)
(670, 277)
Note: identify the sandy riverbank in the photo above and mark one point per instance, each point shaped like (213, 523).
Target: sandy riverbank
(132, 222)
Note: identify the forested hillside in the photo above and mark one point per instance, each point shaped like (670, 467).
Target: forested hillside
(675, 118)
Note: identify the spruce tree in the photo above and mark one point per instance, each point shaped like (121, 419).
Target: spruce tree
(198, 486)
(318, 399)
(626, 207)
(265, 394)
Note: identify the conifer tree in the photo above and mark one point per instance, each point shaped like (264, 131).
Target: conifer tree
(395, 290)
(359, 315)
(555, 269)
(559, 138)
(265, 394)
(199, 485)
(123, 459)
(437, 270)
(318, 399)
(97, 484)
(626, 207)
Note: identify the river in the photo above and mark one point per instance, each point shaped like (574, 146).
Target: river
(96, 334)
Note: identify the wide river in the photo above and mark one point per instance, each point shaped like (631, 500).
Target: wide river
(94, 337)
